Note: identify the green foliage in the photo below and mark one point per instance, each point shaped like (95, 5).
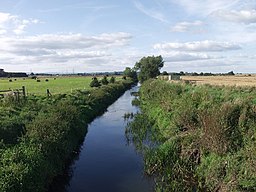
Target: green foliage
(204, 136)
(95, 82)
(112, 80)
(165, 73)
(104, 81)
(38, 136)
(128, 72)
(149, 67)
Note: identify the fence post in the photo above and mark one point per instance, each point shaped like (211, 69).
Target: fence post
(18, 95)
(48, 93)
(24, 92)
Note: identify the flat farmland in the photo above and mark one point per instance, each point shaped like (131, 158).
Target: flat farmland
(236, 80)
(56, 85)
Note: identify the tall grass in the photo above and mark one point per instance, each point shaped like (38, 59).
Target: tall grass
(205, 136)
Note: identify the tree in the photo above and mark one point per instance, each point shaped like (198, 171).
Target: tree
(231, 73)
(128, 72)
(112, 80)
(104, 81)
(165, 73)
(95, 82)
(149, 67)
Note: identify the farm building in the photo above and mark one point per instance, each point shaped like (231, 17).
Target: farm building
(169, 77)
(11, 74)
(174, 77)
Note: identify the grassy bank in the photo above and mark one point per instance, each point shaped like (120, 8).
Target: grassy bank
(197, 137)
(38, 135)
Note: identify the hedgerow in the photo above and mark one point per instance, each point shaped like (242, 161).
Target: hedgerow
(40, 135)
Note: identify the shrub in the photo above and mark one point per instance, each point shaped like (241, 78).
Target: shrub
(104, 81)
(95, 82)
(112, 80)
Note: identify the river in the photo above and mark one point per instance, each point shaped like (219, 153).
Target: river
(106, 163)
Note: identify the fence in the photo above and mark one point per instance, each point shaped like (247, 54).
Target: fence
(16, 93)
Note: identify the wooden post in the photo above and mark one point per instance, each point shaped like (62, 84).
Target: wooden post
(18, 95)
(24, 92)
(48, 93)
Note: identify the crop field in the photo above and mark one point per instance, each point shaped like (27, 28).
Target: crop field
(56, 85)
(237, 80)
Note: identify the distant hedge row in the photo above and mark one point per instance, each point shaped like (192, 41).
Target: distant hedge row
(40, 134)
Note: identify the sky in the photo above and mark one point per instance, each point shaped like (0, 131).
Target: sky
(66, 36)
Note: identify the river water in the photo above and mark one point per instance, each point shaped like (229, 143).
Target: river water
(106, 163)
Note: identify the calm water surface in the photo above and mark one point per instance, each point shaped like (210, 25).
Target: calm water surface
(106, 163)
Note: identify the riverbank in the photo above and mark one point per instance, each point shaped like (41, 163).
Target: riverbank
(105, 161)
(197, 137)
(40, 134)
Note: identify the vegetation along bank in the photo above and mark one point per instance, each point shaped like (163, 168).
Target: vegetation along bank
(200, 138)
(39, 134)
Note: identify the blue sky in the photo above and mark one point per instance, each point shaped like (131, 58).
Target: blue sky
(95, 35)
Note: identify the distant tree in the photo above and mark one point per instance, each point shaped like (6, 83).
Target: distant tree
(128, 72)
(165, 73)
(112, 80)
(149, 67)
(182, 73)
(95, 82)
(104, 81)
(231, 73)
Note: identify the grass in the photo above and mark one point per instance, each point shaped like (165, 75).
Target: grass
(203, 136)
(56, 86)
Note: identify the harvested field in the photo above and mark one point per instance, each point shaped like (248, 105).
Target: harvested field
(237, 80)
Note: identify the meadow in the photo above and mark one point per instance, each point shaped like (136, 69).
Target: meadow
(56, 85)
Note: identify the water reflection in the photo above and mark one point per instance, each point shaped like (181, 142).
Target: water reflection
(106, 162)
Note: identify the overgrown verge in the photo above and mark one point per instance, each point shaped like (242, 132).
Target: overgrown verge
(40, 134)
(204, 137)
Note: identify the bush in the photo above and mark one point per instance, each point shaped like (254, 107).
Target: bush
(95, 82)
(104, 81)
(112, 80)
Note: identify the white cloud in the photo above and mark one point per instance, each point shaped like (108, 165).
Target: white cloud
(178, 56)
(243, 16)
(14, 24)
(65, 41)
(150, 12)
(205, 7)
(198, 46)
(54, 50)
(187, 26)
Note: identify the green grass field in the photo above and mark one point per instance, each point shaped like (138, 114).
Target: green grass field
(59, 85)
